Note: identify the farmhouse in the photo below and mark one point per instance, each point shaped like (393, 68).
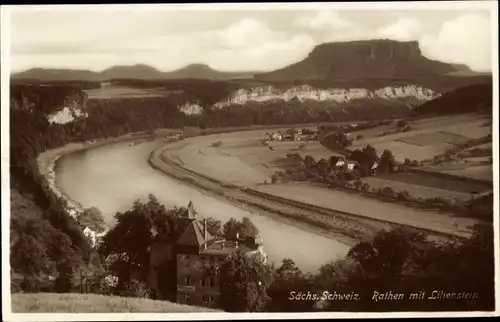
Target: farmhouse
(277, 136)
(351, 165)
(193, 257)
(293, 134)
(337, 162)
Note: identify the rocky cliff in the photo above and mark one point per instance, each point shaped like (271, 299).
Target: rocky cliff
(304, 93)
(386, 59)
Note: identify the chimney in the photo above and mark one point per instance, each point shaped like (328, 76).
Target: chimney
(222, 245)
(205, 230)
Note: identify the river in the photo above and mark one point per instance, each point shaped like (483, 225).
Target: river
(112, 177)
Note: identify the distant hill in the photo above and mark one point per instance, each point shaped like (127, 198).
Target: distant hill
(94, 303)
(476, 98)
(369, 59)
(202, 71)
(44, 74)
(138, 71)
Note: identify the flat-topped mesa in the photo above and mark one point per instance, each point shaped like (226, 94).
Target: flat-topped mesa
(384, 59)
(381, 48)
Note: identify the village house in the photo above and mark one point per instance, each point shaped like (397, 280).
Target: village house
(277, 136)
(351, 165)
(338, 162)
(293, 134)
(191, 257)
(373, 168)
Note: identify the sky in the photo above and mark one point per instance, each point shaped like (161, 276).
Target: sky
(233, 38)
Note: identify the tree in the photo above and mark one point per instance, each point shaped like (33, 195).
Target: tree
(93, 219)
(387, 162)
(358, 184)
(214, 227)
(131, 238)
(371, 153)
(323, 166)
(309, 162)
(244, 283)
(288, 281)
(247, 228)
(402, 123)
(230, 228)
(404, 195)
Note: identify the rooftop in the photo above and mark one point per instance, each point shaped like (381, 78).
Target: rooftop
(225, 247)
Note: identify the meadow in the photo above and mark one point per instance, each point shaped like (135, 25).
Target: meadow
(240, 158)
(435, 182)
(482, 172)
(416, 190)
(372, 208)
(94, 303)
(427, 137)
(121, 91)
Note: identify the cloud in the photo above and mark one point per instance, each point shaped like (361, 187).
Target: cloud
(404, 29)
(463, 40)
(324, 20)
(246, 44)
(265, 56)
(248, 32)
(170, 40)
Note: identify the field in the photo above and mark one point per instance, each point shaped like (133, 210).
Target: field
(240, 158)
(93, 303)
(416, 190)
(357, 204)
(434, 182)
(115, 91)
(484, 172)
(428, 137)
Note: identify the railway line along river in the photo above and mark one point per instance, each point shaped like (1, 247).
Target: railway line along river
(111, 177)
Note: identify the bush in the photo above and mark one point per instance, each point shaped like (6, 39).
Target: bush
(359, 137)
(404, 195)
(137, 289)
(402, 123)
(388, 191)
(349, 176)
(217, 144)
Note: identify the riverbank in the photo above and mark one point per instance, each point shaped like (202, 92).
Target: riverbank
(47, 162)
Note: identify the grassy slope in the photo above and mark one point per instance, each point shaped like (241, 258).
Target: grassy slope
(94, 303)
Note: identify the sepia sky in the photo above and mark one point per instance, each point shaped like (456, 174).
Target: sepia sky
(232, 39)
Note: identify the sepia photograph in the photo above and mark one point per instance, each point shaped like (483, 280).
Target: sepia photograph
(264, 160)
